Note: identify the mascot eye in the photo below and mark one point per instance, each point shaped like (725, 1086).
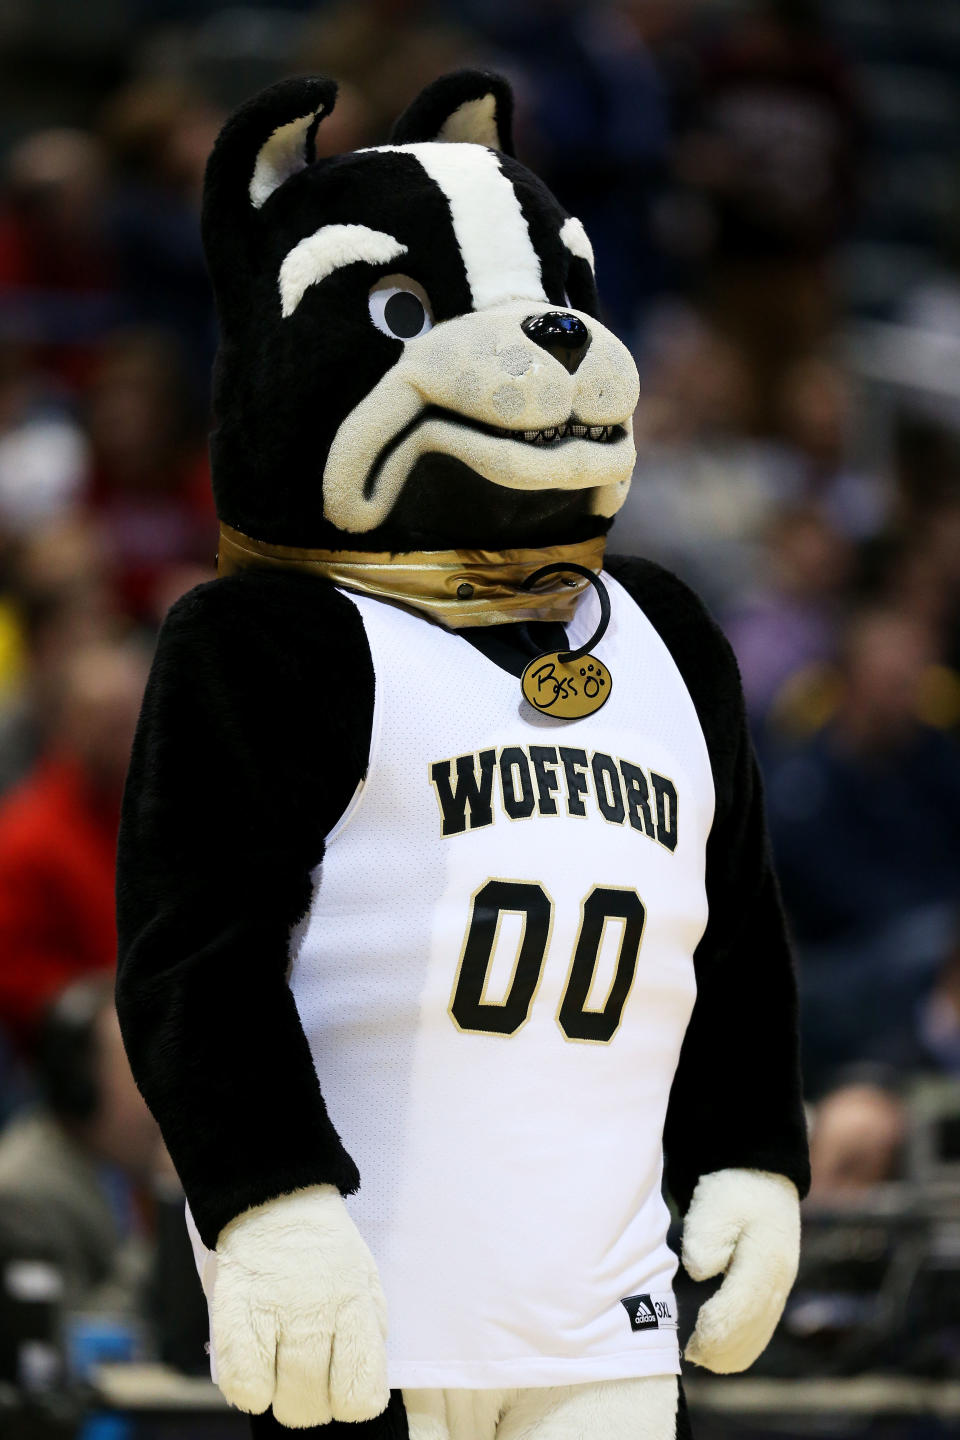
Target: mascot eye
(400, 308)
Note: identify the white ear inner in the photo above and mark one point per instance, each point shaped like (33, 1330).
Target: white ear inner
(474, 121)
(576, 240)
(280, 157)
(328, 249)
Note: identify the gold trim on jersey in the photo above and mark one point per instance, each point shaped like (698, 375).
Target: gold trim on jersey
(453, 587)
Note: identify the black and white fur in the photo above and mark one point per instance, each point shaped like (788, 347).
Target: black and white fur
(334, 432)
(256, 726)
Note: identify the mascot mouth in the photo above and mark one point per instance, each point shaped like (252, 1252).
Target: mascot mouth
(549, 437)
(572, 429)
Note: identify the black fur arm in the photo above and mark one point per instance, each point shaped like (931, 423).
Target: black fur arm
(253, 737)
(736, 1099)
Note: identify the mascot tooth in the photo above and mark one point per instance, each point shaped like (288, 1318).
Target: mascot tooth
(446, 908)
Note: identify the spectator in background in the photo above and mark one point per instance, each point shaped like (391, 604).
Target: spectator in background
(61, 596)
(151, 484)
(74, 1170)
(44, 457)
(593, 122)
(158, 134)
(787, 627)
(703, 493)
(923, 578)
(58, 832)
(856, 1141)
(384, 54)
(57, 283)
(771, 145)
(815, 404)
(865, 823)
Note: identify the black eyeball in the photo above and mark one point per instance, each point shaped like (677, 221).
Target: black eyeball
(400, 308)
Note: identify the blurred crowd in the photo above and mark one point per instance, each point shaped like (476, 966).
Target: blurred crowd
(773, 193)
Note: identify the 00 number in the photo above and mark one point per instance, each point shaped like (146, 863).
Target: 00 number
(473, 1013)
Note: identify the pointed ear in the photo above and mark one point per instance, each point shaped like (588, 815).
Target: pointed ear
(264, 142)
(469, 105)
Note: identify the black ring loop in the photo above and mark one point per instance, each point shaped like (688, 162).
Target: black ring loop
(601, 590)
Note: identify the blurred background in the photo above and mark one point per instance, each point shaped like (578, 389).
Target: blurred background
(772, 188)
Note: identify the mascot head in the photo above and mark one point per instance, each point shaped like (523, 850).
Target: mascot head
(410, 354)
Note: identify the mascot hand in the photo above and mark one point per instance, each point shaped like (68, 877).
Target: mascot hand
(744, 1224)
(298, 1318)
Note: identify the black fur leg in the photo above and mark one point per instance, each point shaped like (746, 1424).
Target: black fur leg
(391, 1425)
(683, 1416)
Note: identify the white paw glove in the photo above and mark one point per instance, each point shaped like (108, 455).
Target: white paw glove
(298, 1319)
(746, 1224)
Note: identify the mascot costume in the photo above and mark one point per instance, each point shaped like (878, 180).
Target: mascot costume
(447, 915)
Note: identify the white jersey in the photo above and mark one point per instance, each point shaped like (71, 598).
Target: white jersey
(495, 976)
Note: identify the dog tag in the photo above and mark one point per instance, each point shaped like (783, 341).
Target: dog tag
(569, 683)
(567, 688)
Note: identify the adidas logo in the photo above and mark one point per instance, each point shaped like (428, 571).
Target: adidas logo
(643, 1315)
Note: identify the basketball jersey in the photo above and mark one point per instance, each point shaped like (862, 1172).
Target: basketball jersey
(495, 976)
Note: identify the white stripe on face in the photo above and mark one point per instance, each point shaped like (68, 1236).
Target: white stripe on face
(488, 223)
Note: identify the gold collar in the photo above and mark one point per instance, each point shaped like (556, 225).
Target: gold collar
(453, 587)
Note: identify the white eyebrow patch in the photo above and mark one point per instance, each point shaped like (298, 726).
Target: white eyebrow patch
(328, 249)
(576, 240)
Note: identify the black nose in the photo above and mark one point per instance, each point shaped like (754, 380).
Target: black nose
(565, 337)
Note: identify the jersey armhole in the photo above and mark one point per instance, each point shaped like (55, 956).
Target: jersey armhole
(356, 799)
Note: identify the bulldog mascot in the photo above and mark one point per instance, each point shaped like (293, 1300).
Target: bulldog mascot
(448, 924)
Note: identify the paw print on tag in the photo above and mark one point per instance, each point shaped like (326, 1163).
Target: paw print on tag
(593, 680)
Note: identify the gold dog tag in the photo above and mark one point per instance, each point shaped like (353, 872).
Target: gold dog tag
(568, 689)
